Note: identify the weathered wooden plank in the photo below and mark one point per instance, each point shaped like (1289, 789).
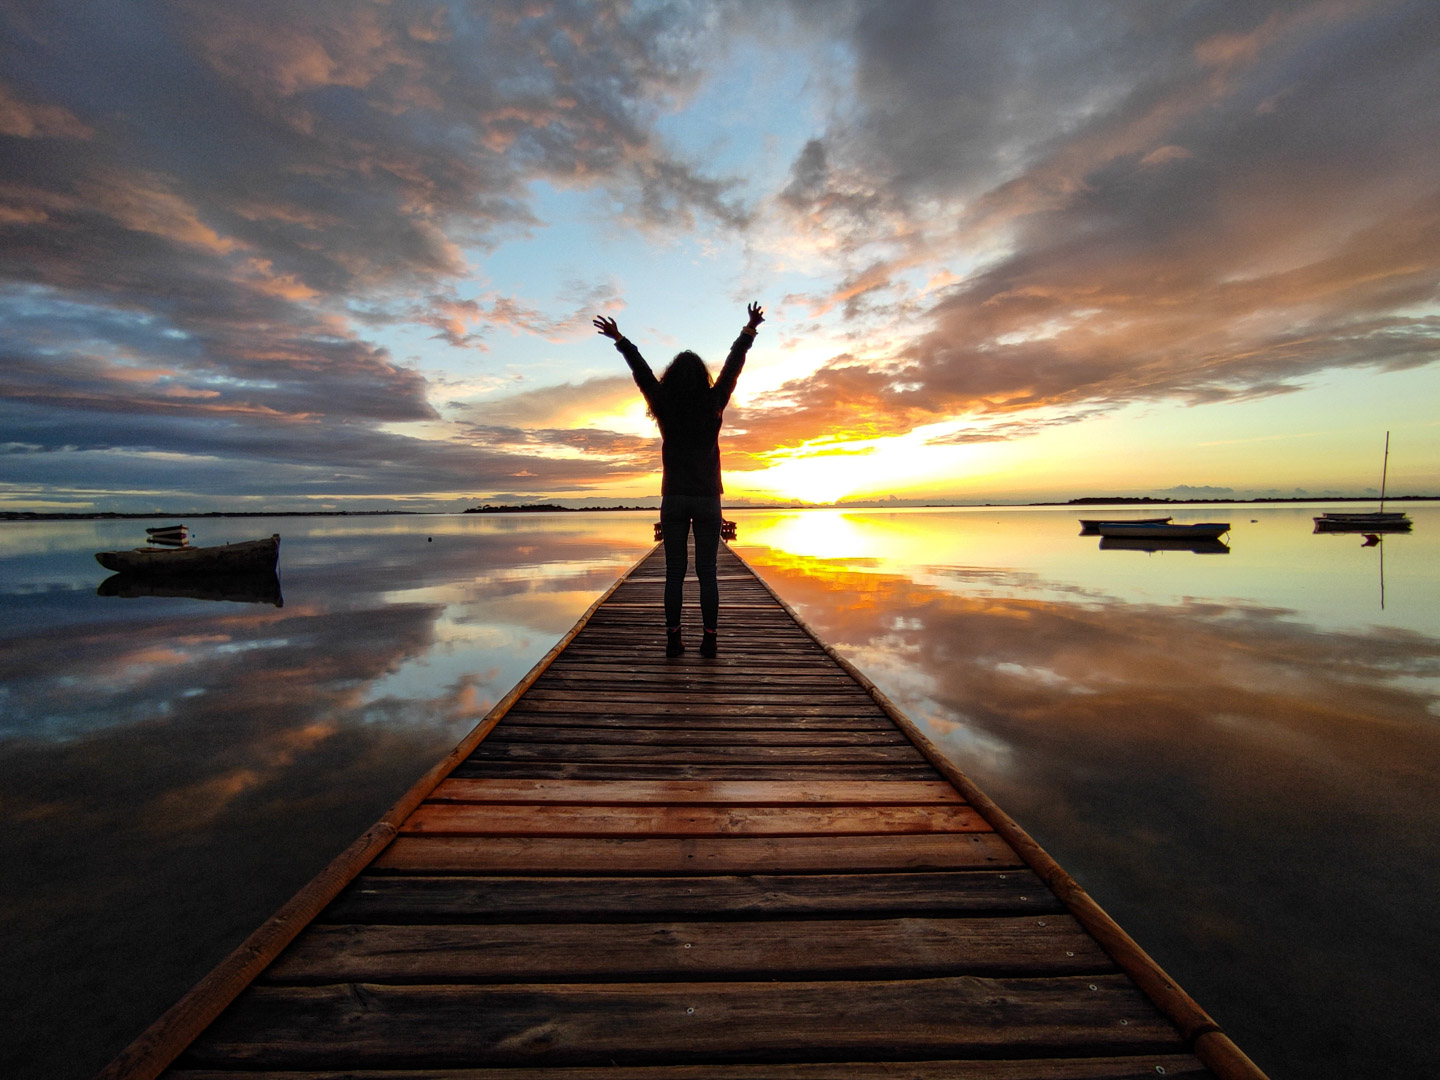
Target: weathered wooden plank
(677, 694)
(712, 793)
(1143, 1067)
(699, 680)
(600, 658)
(697, 855)
(369, 1025)
(600, 770)
(652, 646)
(908, 948)
(731, 670)
(752, 639)
(497, 749)
(656, 670)
(712, 709)
(379, 898)
(653, 722)
(696, 734)
(638, 615)
(758, 643)
(699, 753)
(529, 819)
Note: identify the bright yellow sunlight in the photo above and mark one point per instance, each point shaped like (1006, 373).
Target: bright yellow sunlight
(901, 466)
(818, 478)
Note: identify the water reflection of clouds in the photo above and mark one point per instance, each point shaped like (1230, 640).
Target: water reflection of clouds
(174, 769)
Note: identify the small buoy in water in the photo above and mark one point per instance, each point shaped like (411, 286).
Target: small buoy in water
(429, 539)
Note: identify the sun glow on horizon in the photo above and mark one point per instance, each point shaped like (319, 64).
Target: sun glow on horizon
(903, 466)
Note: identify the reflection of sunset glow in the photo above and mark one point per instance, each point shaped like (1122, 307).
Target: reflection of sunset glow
(818, 534)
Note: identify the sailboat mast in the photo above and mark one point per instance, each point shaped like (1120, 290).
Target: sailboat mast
(1384, 470)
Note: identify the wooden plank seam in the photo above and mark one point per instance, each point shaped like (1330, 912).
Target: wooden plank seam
(164, 1040)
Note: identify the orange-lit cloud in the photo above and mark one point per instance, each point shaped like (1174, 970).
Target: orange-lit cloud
(1149, 232)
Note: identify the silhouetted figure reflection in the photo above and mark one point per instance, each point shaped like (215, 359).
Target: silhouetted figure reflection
(689, 409)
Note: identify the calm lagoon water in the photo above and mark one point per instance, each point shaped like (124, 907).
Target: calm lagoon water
(1238, 754)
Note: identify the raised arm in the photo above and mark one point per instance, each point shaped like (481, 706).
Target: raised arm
(644, 377)
(725, 384)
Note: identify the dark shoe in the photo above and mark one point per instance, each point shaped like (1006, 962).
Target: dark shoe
(707, 644)
(674, 646)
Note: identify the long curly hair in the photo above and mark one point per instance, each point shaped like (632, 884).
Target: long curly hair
(685, 387)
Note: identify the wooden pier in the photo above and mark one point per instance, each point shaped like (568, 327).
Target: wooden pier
(673, 869)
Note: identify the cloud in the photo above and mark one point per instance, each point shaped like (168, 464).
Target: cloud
(467, 322)
(1191, 491)
(201, 208)
(1198, 209)
(641, 453)
(553, 406)
(26, 120)
(1006, 430)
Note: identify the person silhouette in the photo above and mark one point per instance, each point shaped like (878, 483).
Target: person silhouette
(689, 408)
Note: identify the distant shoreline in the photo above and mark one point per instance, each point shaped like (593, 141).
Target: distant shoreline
(552, 508)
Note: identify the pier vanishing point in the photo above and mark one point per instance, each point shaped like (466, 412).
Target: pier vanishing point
(638, 868)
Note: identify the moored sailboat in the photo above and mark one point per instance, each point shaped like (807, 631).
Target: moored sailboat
(1367, 521)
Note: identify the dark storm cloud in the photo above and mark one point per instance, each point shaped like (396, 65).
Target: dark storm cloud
(1197, 204)
(196, 200)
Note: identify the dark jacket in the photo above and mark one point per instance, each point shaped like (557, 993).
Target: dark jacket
(689, 437)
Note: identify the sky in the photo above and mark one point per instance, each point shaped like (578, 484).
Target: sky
(345, 255)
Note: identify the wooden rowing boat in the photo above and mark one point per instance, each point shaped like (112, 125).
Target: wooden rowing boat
(1090, 526)
(1363, 523)
(244, 557)
(1372, 517)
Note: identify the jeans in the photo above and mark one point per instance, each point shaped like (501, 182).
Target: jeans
(676, 514)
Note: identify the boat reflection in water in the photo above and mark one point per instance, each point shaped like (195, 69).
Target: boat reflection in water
(1153, 544)
(260, 587)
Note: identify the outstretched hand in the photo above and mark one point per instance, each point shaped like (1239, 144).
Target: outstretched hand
(757, 315)
(607, 327)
